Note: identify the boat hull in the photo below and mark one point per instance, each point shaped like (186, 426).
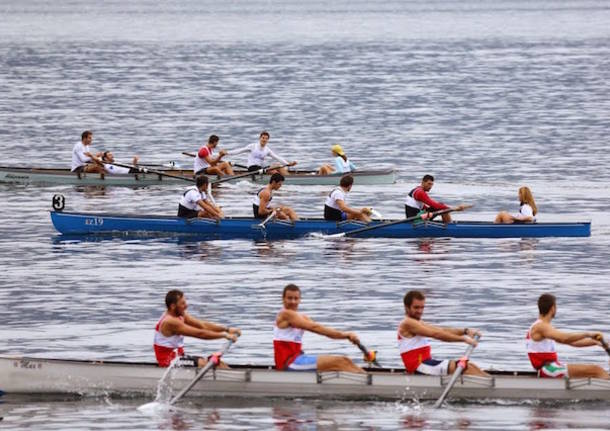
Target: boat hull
(22, 375)
(48, 176)
(69, 223)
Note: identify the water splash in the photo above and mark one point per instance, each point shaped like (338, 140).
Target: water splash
(164, 392)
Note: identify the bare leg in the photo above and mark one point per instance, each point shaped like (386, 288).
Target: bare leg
(202, 362)
(587, 370)
(337, 363)
(292, 215)
(213, 170)
(446, 218)
(325, 170)
(360, 217)
(471, 369)
(503, 217)
(226, 168)
(94, 169)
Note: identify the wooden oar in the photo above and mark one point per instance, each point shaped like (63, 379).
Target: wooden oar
(460, 366)
(369, 355)
(423, 216)
(153, 171)
(232, 164)
(213, 362)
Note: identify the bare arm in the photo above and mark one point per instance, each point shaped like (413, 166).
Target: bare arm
(347, 210)
(181, 328)
(587, 342)
(263, 202)
(209, 207)
(547, 331)
(297, 321)
(411, 326)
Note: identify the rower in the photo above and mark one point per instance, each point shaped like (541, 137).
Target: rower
(414, 345)
(259, 151)
(342, 164)
(195, 203)
(541, 338)
(206, 163)
(288, 330)
(261, 203)
(335, 206)
(175, 323)
(83, 159)
(108, 160)
(527, 209)
(418, 201)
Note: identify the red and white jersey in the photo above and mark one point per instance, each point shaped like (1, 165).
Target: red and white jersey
(413, 351)
(540, 352)
(167, 348)
(200, 161)
(287, 344)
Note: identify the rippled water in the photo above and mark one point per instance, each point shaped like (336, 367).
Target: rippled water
(487, 96)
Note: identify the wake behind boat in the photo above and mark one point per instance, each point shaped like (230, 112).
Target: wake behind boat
(58, 176)
(76, 223)
(26, 375)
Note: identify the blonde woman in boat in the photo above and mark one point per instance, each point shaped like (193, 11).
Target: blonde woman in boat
(342, 164)
(527, 210)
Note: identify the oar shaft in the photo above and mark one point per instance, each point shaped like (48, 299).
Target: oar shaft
(260, 171)
(212, 363)
(459, 369)
(153, 171)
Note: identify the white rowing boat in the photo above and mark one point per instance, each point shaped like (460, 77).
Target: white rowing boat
(24, 375)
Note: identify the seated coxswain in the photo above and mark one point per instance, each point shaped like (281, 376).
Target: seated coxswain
(195, 202)
(258, 152)
(336, 208)
(108, 160)
(414, 345)
(527, 209)
(175, 323)
(418, 201)
(83, 157)
(541, 338)
(206, 163)
(342, 164)
(288, 330)
(261, 203)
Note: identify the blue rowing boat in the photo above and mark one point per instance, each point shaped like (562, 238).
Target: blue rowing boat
(72, 223)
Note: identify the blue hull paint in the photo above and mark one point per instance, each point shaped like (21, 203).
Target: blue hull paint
(240, 227)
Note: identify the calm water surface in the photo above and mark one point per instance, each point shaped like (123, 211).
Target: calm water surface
(487, 96)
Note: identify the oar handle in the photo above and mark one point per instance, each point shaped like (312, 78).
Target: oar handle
(605, 345)
(369, 355)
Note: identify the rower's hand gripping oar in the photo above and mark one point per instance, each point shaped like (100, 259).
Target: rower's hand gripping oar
(370, 356)
(460, 366)
(153, 171)
(264, 222)
(424, 216)
(213, 362)
(232, 164)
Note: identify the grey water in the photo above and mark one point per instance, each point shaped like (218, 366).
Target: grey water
(485, 95)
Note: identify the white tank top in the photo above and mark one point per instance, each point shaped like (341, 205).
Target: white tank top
(256, 200)
(527, 211)
(410, 201)
(336, 194)
(190, 198)
(291, 334)
(173, 342)
(543, 346)
(200, 163)
(408, 344)
(257, 154)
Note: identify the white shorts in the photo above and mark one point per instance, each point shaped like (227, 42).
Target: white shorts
(433, 367)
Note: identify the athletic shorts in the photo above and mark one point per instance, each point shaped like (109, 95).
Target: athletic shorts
(433, 367)
(304, 362)
(553, 370)
(334, 214)
(202, 171)
(254, 168)
(185, 212)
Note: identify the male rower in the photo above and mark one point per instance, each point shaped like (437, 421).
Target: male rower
(206, 163)
(288, 331)
(257, 153)
(541, 338)
(109, 167)
(195, 202)
(261, 203)
(83, 159)
(418, 201)
(175, 323)
(336, 208)
(414, 345)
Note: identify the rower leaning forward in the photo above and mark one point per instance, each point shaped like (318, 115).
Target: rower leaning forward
(335, 205)
(196, 203)
(176, 323)
(288, 330)
(261, 203)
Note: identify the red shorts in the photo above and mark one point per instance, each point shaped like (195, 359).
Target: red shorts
(165, 355)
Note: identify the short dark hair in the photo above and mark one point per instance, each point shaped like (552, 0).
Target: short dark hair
(105, 155)
(346, 181)
(427, 177)
(265, 133)
(545, 302)
(290, 288)
(202, 180)
(411, 295)
(213, 139)
(276, 178)
(85, 134)
(172, 297)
